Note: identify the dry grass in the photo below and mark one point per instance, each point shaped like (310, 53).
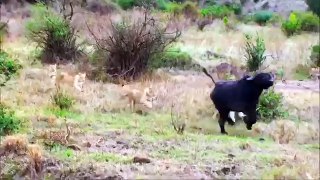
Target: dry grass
(15, 144)
(190, 94)
(286, 52)
(287, 132)
(36, 156)
(303, 104)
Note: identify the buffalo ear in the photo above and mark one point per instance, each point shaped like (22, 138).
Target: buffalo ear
(273, 77)
(250, 78)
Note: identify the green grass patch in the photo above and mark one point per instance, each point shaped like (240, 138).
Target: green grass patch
(312, 147)
(63, 153)
(173, 57)
(109, 157)
(280, 173)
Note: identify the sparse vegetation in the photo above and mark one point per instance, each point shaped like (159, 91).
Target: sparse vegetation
(301, 72)
(254, 53)
(3, 31)
(62, 100)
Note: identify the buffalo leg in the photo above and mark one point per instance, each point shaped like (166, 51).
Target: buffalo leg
(251, 118)
(223, 118)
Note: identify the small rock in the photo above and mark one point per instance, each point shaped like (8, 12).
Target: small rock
(87, 144)
(231, 156)
(74, 147)
(141, 160)
(245, 146)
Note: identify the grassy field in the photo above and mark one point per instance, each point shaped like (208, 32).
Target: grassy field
(108, 141)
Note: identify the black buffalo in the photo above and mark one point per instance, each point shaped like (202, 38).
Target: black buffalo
(240, 96)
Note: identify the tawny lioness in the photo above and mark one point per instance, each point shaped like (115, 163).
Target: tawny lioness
(135, 96)
(65, 78)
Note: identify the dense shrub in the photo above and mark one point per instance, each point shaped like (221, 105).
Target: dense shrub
(9, 123)
(8, 67)
(315, 55)
(236, 8)
(174, 8)
(190, 9)
(62, 100)
(202, 23)
(126, 4)
(216, 11)
(161, 4)
(309, 21)
(130, 46)
(101, 6)
(129, 4)
(271, 105)
(276, 19)
(53, 33)
(262, 17)
(314, 6)
(173, 57)
(292, 25)
(254, 53)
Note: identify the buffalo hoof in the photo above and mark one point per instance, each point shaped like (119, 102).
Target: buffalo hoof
(224, 133)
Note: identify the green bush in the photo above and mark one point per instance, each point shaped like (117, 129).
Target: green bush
(314, 6)
(62, 100)
(53, 34)
(8, 67)
(190, 9)
(9, 123)
(126, 4)
(216, 11)
(309, 21)
(174, 8)
(315, 55)
(173, 57)
(276, 19)
(271, 105)
(236, 8)
(292, 25)
(254, 53)
(161, 4)
(262, 17)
